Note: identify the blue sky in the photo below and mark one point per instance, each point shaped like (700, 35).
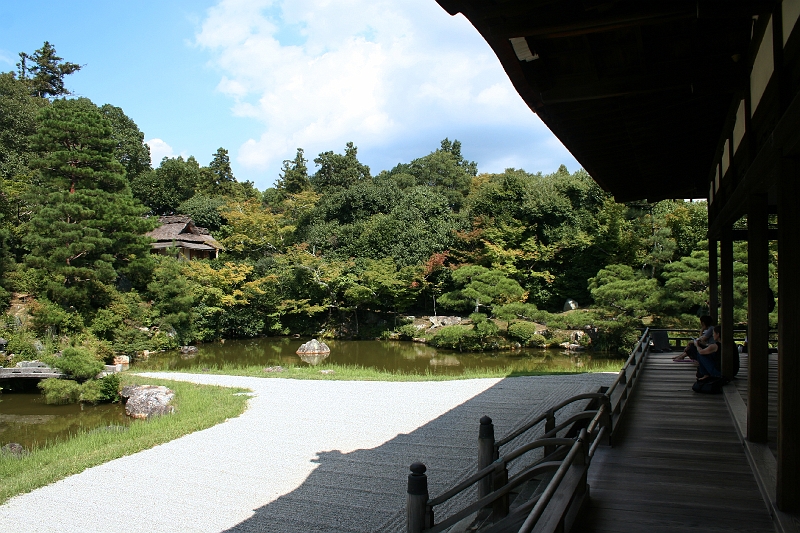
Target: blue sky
(262, 78)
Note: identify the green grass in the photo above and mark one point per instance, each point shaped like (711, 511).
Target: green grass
(359, 373)
(197, 407)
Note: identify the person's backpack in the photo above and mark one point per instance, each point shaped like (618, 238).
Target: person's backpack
(709, 386)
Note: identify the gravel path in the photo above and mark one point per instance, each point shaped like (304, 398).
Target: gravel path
(306, 456)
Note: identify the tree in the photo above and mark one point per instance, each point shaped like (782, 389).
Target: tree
(623, 292)
(130, 150)
(252, 231)
(44, 71)
(172, 183)
(294, 175)
(481, 287)
(88, 230)
(339, 170)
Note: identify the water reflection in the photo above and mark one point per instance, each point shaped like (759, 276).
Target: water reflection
(313, 358)
(395, 356)
(27, 420)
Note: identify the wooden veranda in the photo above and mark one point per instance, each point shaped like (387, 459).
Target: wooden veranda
(678, 465)
(684, 99)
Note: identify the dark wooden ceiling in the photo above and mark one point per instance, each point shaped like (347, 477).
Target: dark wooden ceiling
(638, 91)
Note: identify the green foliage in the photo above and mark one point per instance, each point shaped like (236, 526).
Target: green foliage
(49, 318)
(339, 170)
(481, 287)
(59, 391)
(456, 337)
(619, 288)
(204, 210)
(169, 185)
(294, 175)
(409, 331)
(103, 390)
(22, 344)
(130, 149)
(44, 71)
(174, 300)
(87, 231)
(526, 333)
(77, 363)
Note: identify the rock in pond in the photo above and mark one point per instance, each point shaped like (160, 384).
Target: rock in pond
(144, 401)
(313, 346)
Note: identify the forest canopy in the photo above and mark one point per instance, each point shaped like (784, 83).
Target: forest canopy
(333, 248)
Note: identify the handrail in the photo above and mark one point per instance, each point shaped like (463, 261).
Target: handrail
(494, 491)
(548, 493)
(538, 420)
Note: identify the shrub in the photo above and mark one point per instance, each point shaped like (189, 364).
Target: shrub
(409, 331)
(78, 363)
(51, 318)
(525, 333)
(101, 390)
(23, 345)
(60, 391)
(455, 338)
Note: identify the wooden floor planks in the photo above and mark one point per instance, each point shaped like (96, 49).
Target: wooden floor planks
(678, 465)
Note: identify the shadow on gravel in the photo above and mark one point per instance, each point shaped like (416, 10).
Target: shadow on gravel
(365, 490)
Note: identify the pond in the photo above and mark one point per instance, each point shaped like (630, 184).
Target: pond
(393, 356)
(27, 420)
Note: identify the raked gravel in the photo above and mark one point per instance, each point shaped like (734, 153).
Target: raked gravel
(306, 456)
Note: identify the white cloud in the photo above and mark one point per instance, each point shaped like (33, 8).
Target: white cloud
(318, 73)
(159, 150)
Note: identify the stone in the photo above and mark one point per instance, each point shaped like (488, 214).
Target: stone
(314, 358)
(570, 304)
(442, 321)
(328, 371)
(13, 449)
(274, 369)
(145, 401)
(188, 349)
(31, 364)
(123, 361)
(313, 346)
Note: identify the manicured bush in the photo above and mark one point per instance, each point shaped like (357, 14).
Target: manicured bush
(101, 390)
(60, 391)
(409, 331)
(459, 338)
(77, 363)
(525, 333)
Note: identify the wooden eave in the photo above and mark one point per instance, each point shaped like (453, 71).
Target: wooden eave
(637, 92)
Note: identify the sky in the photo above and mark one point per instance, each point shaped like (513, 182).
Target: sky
(262, 78)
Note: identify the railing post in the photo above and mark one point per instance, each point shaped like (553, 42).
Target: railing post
(417, 515)
(549, 425)
(607, 420)
(485, 454)
(500, 480)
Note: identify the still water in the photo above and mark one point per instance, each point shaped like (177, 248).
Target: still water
(27, 420)
(394, 356)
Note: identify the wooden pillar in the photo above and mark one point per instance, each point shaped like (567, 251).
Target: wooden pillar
(713, 282)
(757, 319)
(729, 350)
(788, 487)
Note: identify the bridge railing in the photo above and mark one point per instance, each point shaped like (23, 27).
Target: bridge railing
(566, 458)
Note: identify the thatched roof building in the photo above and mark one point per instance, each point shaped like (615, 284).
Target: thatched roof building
(179, 231)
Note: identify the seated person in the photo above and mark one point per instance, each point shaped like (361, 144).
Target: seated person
(706, 336)
(708, 358)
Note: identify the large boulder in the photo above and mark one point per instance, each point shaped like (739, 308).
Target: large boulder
(144, 401)
(442, 321)
(313, 347)
(570, 305)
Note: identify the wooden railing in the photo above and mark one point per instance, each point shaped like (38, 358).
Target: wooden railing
(566, 458)
(679, 337)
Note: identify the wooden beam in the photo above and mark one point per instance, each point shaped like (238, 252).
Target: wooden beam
(745, 235)
(758, 319)
(713, 281)
(788, 484)
(760, 175)
(729, 351)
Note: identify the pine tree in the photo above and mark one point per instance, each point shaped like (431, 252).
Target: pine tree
(294, 175)
(88, 230)
(44, 71)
